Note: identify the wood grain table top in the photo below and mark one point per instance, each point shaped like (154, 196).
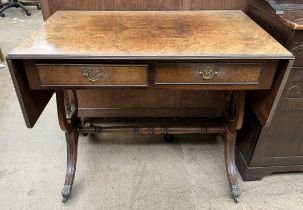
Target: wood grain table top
(150, 35)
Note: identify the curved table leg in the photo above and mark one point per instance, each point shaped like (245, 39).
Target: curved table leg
(229, 152)
(67, 115)
(233, 122)
(72, 145)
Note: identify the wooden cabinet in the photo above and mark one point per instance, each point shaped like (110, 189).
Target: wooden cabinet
(278, 147)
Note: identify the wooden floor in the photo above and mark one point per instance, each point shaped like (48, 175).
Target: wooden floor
(117, 171)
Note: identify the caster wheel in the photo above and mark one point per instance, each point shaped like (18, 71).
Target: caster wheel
(235, 193)
(66, 193)
(2, 15)
(28, 13)
(64, 199)
(38, 7)
(169, 138)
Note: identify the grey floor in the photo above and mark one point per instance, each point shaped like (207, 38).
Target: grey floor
(115, 171)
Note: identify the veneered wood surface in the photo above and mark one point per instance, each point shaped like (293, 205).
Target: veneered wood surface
(112, 75)
(226, 73)
(121, 102)
(51, 6)
(32, 103)
(150, 35)
(231, 75)
(265, 102)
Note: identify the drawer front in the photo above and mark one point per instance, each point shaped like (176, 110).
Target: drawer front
(92, 75)
(209, 73)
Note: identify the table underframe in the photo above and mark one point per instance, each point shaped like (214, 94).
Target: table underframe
(72, 125)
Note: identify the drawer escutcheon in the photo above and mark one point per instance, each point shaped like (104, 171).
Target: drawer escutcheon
(208, 71)
(93, 74)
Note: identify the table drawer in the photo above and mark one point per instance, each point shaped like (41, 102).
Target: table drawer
(209, 73)
(92, 75)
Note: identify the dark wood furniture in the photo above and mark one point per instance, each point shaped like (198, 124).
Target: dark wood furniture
(265, 149)
(51, 6)
(121, 53)
(179, 102)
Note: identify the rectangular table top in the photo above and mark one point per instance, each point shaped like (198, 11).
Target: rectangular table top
(150, 35)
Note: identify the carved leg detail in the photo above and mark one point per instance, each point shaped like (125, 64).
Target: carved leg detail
(72, 144)
(229, 151)
(67, 106)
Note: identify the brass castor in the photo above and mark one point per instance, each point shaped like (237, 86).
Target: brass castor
(66, 193)
(235, 193)
(169, 138)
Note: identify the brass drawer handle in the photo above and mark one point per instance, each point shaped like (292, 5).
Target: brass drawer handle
(208, 71)
(93, 74)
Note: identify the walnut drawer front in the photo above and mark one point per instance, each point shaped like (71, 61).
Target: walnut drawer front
(92, 75)
(209, 73)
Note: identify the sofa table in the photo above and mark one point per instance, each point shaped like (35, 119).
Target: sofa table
(82, 52)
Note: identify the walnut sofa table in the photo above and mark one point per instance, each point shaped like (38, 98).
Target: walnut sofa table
(193, 50)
